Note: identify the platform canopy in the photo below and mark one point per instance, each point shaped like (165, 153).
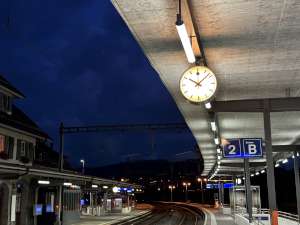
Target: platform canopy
(253, 47)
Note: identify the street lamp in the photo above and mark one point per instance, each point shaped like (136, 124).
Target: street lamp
(201, 182)
(186, 184)
(82, 162)
(171, 187)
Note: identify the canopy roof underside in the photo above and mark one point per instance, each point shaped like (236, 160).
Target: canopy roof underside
(252, 46)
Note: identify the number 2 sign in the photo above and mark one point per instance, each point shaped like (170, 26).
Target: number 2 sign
(233, 149)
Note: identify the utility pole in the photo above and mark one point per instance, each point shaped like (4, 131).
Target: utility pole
(60, 168)
(61, 148)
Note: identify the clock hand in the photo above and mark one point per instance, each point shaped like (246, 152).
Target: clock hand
(203, 79)
(194, 81)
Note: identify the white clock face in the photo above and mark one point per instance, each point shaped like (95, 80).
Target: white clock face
(198, 84)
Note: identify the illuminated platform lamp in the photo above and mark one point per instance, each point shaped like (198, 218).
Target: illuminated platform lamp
(238, 181)
(68, 184)
(213, 126)
(115, 189)
(208, 105)
(217, 141)
(45, 182)
(184, 37)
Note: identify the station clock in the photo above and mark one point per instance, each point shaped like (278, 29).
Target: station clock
(198, 84)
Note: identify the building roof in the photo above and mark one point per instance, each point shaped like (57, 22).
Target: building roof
(19, 120)
(6, 85)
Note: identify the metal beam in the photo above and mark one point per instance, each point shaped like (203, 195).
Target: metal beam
(241, 165)
(257, 105)
(286, 148)
(124, 127)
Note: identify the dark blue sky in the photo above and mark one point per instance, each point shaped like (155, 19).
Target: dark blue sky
(77, 62)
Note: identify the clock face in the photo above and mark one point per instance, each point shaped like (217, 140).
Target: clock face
(198, 84)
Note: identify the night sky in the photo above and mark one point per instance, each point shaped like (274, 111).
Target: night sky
(77, 62)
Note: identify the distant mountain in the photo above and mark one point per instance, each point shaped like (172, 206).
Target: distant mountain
(150, 169)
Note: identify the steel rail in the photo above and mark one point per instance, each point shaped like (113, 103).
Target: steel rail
(157, 217)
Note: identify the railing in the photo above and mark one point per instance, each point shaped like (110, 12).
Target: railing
(288, 216)
(284, 215)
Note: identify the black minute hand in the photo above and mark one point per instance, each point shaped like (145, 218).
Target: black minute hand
(193, 81)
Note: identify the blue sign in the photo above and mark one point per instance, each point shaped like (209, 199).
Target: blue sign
(49, 208)
(233, 149)
(38, 209)
(243, 148)
(228, 185)
(252, 147)
(216, 186)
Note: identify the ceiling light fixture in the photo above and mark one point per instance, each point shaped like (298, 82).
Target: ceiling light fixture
(217, 141)
(285, 161)
(277, 165)
(208, 105)
(238, 181)
(43, 182)
(184, 37)
(213, 126)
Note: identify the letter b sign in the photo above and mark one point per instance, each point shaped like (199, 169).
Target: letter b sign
(252, 147)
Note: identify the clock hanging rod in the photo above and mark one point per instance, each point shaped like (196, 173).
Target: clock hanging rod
(189, 33)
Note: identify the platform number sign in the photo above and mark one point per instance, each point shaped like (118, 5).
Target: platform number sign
(243, 148)
(233, 149)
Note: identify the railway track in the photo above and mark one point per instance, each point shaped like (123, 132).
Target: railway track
(168, 214)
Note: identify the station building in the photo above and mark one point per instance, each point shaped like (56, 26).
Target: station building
(32, 190)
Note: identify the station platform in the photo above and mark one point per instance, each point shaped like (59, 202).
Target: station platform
(108, 219)
(215, 216)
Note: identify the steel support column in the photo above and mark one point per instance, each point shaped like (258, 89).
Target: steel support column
(202, 194)
(248, 189)
(270, 164)
(220, 197)
(60, 204)
(297, 183)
